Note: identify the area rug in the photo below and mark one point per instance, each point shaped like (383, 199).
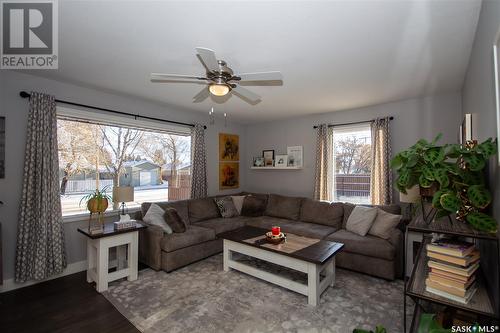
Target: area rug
(203, 298)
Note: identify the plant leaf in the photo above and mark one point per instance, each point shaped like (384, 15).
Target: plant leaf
(427, 172)
(479, 196)
(424, 182)
(488, 148)
(434, 155)
(442, 177)
(482, 222)
(397, 162)
(450, 202)
(475, 162)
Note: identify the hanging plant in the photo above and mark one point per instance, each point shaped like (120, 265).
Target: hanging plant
(451, 177)
(97, 201)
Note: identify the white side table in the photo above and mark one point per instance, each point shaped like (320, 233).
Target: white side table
(98, 246)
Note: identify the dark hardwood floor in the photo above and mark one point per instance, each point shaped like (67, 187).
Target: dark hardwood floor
(66, 304)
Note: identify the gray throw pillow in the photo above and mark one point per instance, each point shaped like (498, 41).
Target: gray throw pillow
(238, 202)
(174, 220)
(384, 223)
(361, 220)
(226, 207)
(154, 216)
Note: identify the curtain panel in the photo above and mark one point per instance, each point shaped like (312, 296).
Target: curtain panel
(40, 251)
(381, 174)
(198, 163)
(323, 179)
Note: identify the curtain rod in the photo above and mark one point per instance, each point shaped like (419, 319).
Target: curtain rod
(352, 123)
(24, 94)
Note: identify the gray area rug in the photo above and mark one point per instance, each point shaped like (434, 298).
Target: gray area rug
(203, 298)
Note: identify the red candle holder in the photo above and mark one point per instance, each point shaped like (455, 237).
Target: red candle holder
(276, 231)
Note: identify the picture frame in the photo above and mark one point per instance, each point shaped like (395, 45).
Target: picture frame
(258, 162)
(229, 147)
(281, 161)
(496, 68)
(268, 156)
(295, 156)
(229, 175)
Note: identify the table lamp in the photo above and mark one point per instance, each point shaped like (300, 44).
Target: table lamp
(122, 194)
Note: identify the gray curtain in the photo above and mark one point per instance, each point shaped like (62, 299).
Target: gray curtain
(323, 179)
(381, 174)
(40, 236)
(198, 163)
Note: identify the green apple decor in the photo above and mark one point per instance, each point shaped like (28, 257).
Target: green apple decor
(451, 176)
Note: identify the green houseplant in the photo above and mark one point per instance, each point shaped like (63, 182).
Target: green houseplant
(97, 201)
(450, 176)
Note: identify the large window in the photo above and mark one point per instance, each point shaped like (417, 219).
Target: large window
(95, 154)
(352, 163)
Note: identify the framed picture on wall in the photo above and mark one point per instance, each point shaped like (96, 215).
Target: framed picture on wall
(281, 161)
(229, 175)
(268, 157)
(295, 156)
(229, 147)
(496, 68)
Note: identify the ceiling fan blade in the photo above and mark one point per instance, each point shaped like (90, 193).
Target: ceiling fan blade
(168, 77)
(245, 93)
(209, 59)
(261, 76)
(201, 96)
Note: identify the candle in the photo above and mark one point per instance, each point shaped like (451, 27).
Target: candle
(276, 231)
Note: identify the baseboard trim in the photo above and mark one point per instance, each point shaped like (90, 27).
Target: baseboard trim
(72, 268)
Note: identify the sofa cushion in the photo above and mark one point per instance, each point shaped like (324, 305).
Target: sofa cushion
(361, 220)
(180, 206)
(299, 228)
(202, 209)
(370, 246)
(154, 216)
(226, 207)
(348, 207)
(384, 223)
(322, 212)
(283, 207)
(174, 220)
(221, 224)
(253, 205)
(192, 236)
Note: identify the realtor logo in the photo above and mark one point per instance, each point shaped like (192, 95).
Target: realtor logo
(29, 34)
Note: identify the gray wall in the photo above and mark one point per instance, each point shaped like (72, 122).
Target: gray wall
(15, 109)
(479, 99)
(413, 119)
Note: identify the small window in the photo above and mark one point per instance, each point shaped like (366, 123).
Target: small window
(100, 155)
(352, 163)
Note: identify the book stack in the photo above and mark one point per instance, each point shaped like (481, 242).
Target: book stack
(452, 269)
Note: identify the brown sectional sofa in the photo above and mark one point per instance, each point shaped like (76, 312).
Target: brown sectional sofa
(301, 216)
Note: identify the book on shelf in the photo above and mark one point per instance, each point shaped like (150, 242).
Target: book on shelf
(454, 269)
(457, 291)
(451, 247)
(451, 281)
(449, 275)
(461, 261)
(464, 300)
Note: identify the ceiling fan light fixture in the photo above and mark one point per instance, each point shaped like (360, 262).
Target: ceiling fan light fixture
(219, 89)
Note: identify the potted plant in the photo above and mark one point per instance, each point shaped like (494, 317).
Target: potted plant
(97, 201)
(452, 178)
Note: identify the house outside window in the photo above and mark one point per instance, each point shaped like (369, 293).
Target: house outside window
(98, 154)
(352, 163)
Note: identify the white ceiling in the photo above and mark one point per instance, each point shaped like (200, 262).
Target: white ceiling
(334, 55)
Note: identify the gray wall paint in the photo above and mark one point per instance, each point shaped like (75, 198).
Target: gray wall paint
(479, 99)
(413, 119)
(15, 109)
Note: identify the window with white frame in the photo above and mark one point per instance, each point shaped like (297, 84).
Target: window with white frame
(100, 151)
(352, 163)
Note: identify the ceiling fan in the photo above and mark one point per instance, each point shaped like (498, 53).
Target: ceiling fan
(220, 78)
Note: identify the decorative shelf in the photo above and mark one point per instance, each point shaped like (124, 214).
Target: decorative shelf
(275, 168)
(479, 303)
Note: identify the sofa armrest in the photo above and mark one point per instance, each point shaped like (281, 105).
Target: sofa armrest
(149, 246)
(396, 239)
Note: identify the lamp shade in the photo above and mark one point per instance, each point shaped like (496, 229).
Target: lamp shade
(412, 195)
(123, 194)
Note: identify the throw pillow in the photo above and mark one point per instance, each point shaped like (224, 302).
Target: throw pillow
(238, 202)
(154, 216)
(174, 220)
(253, 206)
(226, 207)
(361, 220)
(384, 223)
